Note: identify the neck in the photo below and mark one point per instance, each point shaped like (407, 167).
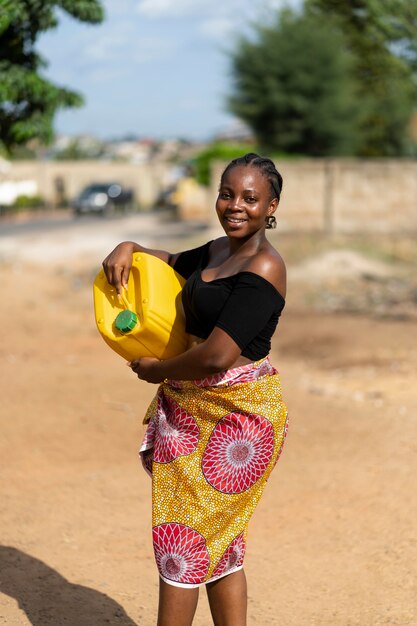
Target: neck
(249, 245)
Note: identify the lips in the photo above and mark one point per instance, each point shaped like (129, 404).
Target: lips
(234, 220)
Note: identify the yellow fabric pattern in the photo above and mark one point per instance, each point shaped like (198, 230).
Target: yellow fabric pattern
(213, 449)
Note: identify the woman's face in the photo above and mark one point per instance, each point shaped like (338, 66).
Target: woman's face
(244, 201)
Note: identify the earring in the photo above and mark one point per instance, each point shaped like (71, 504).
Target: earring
(271, 221)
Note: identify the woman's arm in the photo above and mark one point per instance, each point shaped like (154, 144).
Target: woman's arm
(118, 263)
(216, 354)
(246, 312)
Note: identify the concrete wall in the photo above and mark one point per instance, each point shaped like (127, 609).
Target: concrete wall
(324, 195)
(345, 196)
(145, 180)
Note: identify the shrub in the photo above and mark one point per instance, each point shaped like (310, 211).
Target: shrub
(28, 202)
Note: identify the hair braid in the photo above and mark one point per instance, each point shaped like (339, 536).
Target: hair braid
(265, 165)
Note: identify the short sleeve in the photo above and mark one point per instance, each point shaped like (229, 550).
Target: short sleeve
(253, 303)
(189, 260)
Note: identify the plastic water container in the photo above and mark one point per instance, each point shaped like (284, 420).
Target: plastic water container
(148, 320)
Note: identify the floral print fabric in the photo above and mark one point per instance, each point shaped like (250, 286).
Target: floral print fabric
(210, 447)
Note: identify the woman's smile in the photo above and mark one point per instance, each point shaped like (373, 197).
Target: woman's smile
(234, 221)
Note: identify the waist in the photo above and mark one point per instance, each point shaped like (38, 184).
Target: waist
(235, 375)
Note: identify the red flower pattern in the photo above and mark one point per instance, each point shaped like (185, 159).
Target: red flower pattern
(181, 553)
(238, 452)
(232, 557)
(173, 431)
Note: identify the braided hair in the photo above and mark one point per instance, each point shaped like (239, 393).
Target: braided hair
(265, 165)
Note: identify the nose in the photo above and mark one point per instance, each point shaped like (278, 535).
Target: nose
(233, 204)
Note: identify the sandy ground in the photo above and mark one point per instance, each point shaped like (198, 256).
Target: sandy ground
(332, 543)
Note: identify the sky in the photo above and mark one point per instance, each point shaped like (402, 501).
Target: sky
(153, 68)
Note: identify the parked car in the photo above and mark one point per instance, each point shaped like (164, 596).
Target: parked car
(165, 199)
(104, 199)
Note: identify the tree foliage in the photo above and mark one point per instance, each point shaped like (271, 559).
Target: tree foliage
(372, 25)
(382, 37)
(296, 80)
(293, 86)
(220, 151)
(28, 101)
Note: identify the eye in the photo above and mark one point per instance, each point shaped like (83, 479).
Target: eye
(250, 199)
(225, 195)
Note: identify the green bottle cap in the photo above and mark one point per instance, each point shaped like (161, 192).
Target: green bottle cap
(126, 321)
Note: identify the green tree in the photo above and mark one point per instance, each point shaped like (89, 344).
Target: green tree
(28, 101)
(293, 86)
(382, 37)
(220, 151)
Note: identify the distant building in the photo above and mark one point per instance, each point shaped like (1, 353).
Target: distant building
(237, 131)
(136, 151)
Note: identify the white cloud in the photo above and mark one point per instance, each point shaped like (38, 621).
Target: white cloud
(125, 45)
(105, 74)
(117, 7)
(152, 49)
(171, 8)
(105, 46)
(218, 27)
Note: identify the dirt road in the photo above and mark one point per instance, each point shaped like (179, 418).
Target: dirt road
(332, 542)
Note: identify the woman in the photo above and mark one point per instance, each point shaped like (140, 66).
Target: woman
(217, 424)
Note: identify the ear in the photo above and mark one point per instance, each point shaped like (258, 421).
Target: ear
(273, 205)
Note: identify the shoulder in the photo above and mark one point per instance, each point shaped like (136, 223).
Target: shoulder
(218, 250)
(187, 261)
(218, 245)
(270, 265)
(191, 252)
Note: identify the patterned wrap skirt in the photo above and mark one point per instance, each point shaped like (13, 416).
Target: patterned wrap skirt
(210, 447)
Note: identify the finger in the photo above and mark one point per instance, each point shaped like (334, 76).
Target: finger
(107, 270)
(116, 282)
(125, 275)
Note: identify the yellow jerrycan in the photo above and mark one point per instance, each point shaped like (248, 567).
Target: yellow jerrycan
(148, 320)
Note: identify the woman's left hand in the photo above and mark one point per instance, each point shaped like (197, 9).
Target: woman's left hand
(146, 368)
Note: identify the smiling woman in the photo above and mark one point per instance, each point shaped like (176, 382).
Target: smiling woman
(217, 424)
(230, 206)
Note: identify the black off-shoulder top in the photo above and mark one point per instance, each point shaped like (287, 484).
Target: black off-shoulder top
(246, 306)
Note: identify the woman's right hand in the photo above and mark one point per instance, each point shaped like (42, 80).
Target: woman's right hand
(117, 265)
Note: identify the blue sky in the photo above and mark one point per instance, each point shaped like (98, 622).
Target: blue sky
(155, 68)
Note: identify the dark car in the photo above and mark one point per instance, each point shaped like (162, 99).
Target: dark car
(103, 199)
(166, 199)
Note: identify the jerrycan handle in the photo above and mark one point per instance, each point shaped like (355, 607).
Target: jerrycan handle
(124, 299)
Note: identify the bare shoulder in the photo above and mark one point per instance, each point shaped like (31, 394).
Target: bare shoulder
(220, 244)
(214, 246)
(270, 265)
(219, 248)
